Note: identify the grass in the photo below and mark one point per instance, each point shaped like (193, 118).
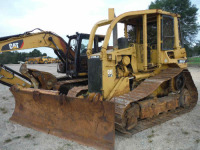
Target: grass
(3, 110)
(184, 132)
(151, 136)
(198, 141)
(196, 131)
(17, 137)
(150, 141)
(63, 147)
(4, 98)
(194, 61)
(27, 136)
(7, 140)
(68, 144)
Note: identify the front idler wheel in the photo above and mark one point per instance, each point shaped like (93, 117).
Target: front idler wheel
(179, 82)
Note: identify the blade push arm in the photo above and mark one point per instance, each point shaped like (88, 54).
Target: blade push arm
(10, 77)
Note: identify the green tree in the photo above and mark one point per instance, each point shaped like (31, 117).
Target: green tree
(189, 50)
(44, 54)
(188, 12)
(196, 48)
(14, 57)
(35, 53)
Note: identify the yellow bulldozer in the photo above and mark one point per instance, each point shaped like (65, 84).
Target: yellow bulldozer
(52, 60)
(38, 60)
(139, 81)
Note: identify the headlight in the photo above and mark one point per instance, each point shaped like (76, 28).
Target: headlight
(182, 61)
(95, 56)
(109, 56)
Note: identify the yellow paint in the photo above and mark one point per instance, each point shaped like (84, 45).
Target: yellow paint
(82, 74)
(11, 79)
(35, 40)
(158, 39)
(145, 41)
(119, 66)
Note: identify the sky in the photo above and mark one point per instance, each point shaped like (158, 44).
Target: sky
(64, 17)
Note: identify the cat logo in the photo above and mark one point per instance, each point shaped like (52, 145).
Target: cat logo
(13, 45)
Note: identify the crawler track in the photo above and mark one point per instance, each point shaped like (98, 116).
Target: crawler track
(71, 88)
(141, 109)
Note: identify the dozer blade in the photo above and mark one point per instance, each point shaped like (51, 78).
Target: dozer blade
(89, 123)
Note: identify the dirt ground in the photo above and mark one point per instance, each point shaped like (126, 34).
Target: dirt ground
(181, 133)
